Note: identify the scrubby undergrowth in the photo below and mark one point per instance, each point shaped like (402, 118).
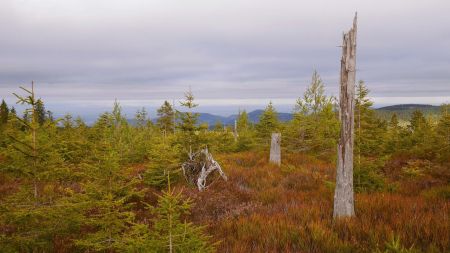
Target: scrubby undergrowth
(263, 208)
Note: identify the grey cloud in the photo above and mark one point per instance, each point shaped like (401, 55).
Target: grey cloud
(94, 50)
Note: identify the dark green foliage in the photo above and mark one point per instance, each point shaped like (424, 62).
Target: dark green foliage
(246, 135)
(189, 131)
(393, 142)
(369, 129)
(106, 204)
(166, 117)
(418, 121)
(108, 192)
(34, 228)
(172, 233)
(73, 142)
(315, 126)
(367, 176)
(50, 116)
(221, 141)
(404, 111)
(12, 113)
(243, 123)
(70, 187)
(141, 118)
(246, 141)
(419, 137)
(25, 147)
(131, 143)
(314, 99)
(4, 116)
(442, 140)
(163, 158)
(4, 113)
(218, 126)
(268, 123)
(39, 210)
(370, 135)
(75, 192)
(41, 113)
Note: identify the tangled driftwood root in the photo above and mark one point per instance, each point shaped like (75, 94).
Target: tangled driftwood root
(199, 166)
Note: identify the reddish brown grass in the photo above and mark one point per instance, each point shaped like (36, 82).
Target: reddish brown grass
(263, 208)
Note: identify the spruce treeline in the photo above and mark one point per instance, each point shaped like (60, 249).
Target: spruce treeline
(70, 186)
(74, 187)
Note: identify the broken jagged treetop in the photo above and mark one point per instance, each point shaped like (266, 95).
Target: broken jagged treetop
(343, 195)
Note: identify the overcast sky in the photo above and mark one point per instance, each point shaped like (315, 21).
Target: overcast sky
(85, 53)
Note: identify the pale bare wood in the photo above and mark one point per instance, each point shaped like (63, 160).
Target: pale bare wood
(343, 195)
(275, 149)
(199, 166)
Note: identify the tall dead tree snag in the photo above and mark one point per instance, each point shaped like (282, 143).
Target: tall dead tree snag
(343, 195)
(275, 150)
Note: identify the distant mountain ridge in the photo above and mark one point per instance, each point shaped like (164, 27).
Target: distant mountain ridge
(403, 107)
(253, 117)
(403, 111)
(212, 119)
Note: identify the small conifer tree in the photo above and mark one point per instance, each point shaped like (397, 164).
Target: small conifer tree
(106, 203)
(163, 159)
(315, 126)
(40, 111)
(245, 140)
(141, 118)
(30, 150)
(442, 143)
(172, 233)
(268, 123)
(4, 113)
(369, 129)
(393, 138)
(243, 123)
(187, 124)
(166, 115)
(314, 99)
(37, 211)
(218, 126)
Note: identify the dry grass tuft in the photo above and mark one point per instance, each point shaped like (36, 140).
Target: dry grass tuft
(263, 208)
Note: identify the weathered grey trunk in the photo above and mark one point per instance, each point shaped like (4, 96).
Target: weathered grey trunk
(343, 195)
(275, 150)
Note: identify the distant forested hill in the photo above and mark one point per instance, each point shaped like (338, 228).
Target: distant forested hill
(404, 111)
(253, 116)
(212, 119)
